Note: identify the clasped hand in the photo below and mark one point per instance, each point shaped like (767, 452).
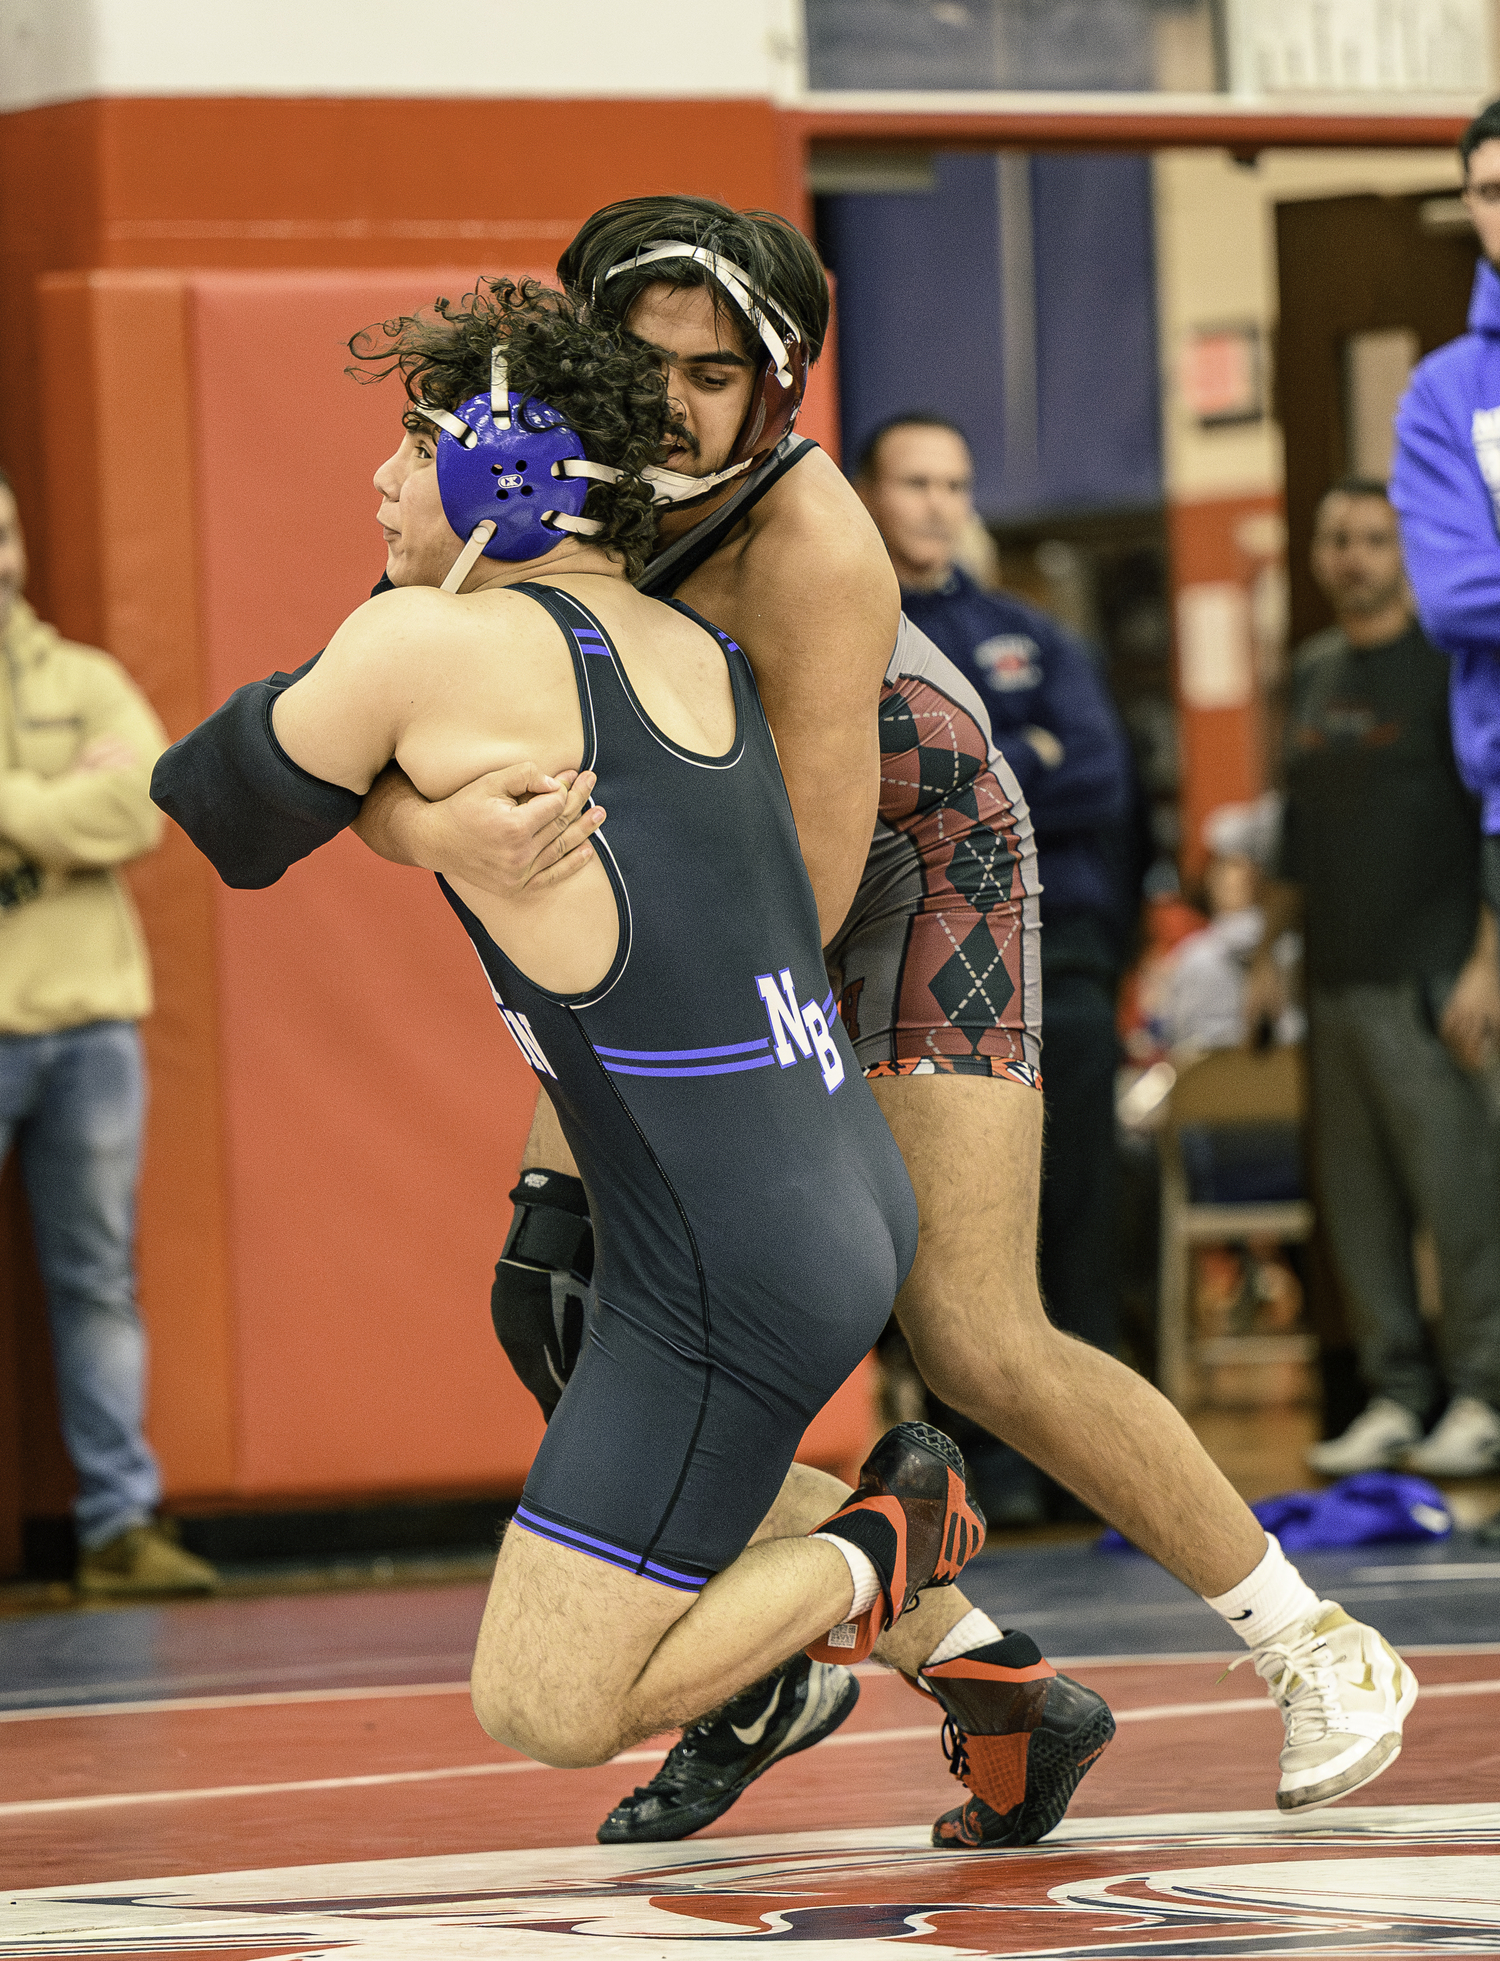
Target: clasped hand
(510, 831)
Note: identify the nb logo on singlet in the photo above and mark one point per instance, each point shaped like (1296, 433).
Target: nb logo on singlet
(799, 1034)
(526, 1040)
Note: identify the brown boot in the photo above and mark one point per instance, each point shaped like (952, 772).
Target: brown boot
(142, 1561)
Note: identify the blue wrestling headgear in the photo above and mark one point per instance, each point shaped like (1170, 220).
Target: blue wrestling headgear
(511, 473)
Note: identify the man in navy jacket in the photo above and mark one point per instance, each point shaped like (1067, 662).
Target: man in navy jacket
(1057, 727)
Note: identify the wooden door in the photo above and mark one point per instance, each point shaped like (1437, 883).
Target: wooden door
(1365, 283)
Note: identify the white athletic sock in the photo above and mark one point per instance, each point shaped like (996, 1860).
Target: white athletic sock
(862, 1570)
(1268, 1600)
(975, 1630)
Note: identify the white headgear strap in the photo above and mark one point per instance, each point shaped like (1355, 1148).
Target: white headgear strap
(468, 558)
(737, 283)
(668, 486)
(499, 386)
(457, 428)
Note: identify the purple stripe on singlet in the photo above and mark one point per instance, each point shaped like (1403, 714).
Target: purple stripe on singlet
(703, 1069)
(828, 1006)
(684, 1055)
(591, 643)
(604, 1549)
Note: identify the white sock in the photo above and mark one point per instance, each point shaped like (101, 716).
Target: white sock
(1268, 1600)
(862, 1570)
(975, 1630)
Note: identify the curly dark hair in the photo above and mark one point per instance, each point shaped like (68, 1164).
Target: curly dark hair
(604, 383)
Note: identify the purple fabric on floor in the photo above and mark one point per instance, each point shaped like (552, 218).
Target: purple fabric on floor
(1371, 1508)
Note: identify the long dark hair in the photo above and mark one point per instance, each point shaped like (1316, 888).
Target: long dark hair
(777, 257)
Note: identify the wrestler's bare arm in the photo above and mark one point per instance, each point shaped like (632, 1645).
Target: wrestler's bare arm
(808, 591)
(418, 676)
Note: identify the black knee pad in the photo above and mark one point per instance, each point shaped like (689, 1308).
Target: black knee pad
(541, 1293)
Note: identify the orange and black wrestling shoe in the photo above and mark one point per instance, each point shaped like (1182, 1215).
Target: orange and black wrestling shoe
(1019, 1735)
(912, 1513)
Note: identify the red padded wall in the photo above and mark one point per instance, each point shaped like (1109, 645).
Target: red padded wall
(374, 1107)
(335, 1115)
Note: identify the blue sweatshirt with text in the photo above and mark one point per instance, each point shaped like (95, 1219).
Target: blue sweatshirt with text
(1445, 485)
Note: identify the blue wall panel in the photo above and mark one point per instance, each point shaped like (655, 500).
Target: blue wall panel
(1098, 374)
(919, 301)
(920, 326)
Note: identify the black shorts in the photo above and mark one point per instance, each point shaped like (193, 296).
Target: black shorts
(673, 1438)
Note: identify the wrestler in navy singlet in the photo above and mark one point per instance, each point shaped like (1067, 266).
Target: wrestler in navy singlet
(753, 1217)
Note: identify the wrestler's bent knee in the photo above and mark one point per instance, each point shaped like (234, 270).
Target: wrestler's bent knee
(562, 1740)
(984, 1380)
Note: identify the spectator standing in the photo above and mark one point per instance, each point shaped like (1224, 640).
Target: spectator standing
(77, 745)
(1057, 728)
(1382, 841)
(1445, 483)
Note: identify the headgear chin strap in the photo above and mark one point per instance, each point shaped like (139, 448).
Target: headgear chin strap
(781, 380)
(499, 460)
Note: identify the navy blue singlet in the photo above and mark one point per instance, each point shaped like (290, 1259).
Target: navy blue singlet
(753, 1217)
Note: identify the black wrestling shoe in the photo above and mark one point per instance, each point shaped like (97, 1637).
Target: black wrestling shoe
(721, 1756)
(1020, 1736)
(912, 1514)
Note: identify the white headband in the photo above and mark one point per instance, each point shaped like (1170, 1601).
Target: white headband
(737, 283)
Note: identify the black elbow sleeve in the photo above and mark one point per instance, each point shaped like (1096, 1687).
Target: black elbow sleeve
(247, 806)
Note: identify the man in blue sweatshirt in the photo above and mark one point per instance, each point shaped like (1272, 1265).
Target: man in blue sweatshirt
(1445, 485)
(1057, 727)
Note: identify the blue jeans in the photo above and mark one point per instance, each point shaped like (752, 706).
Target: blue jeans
(74, 1103)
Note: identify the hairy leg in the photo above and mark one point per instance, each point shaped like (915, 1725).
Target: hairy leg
(577, 1660)
(973, 1315)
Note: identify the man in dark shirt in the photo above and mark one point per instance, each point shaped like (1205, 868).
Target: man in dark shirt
(1383, 841)
(1056, 725)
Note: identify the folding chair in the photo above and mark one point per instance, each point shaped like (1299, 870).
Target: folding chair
(1229, 1088)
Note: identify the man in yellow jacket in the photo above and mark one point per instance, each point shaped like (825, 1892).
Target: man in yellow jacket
(77, 745)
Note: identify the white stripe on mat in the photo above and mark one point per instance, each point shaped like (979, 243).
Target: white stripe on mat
(1161, 1712)
(264, 1699)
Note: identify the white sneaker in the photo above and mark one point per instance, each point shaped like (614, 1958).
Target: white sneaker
(1465, 1444)
(1344, 1693)
(1372, 1441)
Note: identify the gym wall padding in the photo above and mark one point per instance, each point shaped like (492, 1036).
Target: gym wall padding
(374, 1107)
(337, 1110)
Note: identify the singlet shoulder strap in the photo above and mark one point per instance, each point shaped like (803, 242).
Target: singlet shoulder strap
(668, 569)
(585, 636)
(749, 711)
